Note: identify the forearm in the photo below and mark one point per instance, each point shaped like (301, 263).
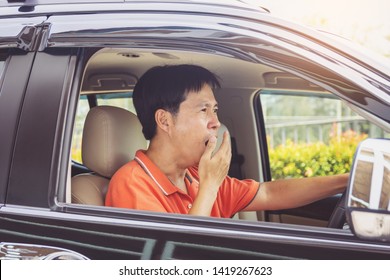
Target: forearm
(292, 193)
(203, 202)
(297, 192)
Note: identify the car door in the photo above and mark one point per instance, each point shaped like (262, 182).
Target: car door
(37, 207)
(16, 58)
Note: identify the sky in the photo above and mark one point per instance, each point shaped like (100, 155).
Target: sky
(366, 22)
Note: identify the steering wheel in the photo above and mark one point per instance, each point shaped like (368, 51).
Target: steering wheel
(338, 219)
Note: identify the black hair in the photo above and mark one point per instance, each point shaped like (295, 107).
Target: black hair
(166, 87)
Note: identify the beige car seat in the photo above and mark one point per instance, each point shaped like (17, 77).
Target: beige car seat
(111, 136)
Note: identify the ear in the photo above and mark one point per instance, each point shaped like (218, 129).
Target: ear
(163, 119)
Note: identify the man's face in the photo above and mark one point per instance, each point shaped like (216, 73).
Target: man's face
(194, 124)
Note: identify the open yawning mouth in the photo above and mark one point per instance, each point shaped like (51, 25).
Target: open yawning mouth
(207, 141)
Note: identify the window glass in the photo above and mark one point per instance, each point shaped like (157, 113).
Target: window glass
(82, 110)
(122, 100)
(1, 72)
(1, 67)
(3, 57)
(311, 133)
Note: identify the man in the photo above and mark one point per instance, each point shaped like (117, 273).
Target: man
(181, 172)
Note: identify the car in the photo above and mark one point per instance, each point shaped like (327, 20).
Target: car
(297, 102)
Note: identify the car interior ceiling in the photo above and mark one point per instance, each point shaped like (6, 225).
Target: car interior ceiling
(234, 73)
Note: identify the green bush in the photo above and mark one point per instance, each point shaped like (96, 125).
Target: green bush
(314, 159)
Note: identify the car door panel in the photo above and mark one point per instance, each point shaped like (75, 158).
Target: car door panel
(15, 66)
(34, 147)
(11, 95)
(102, 238)
(317, 213)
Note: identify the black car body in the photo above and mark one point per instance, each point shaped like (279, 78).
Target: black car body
(53, 56)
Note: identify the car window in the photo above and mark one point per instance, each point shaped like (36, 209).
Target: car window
(1, 67)
(122, 100)
(3, 57)
(311, 133)
(82, 110)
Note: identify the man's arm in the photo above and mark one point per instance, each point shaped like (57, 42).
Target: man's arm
(213, 169)
(275, 195)
(292, 193)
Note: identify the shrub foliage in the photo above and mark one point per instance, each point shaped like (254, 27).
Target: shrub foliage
(314, 159)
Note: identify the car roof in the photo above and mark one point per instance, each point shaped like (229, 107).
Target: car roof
(227, 3)
(241, 9)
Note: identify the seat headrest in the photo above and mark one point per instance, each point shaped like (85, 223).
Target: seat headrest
(111, 136)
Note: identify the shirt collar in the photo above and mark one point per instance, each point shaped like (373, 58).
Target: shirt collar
(161, 180)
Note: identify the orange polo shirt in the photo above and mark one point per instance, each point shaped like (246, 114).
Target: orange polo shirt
(141, 185)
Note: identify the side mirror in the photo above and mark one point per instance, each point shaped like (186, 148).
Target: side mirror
(368, 201)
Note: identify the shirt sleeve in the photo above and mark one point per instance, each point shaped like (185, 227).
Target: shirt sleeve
(234, 195)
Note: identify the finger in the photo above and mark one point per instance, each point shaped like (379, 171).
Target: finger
(211, 144)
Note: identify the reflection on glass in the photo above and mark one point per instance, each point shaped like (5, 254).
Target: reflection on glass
(385, 194)
(370, 177)
(362, 179)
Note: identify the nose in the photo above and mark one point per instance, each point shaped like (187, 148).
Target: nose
(214, 122)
